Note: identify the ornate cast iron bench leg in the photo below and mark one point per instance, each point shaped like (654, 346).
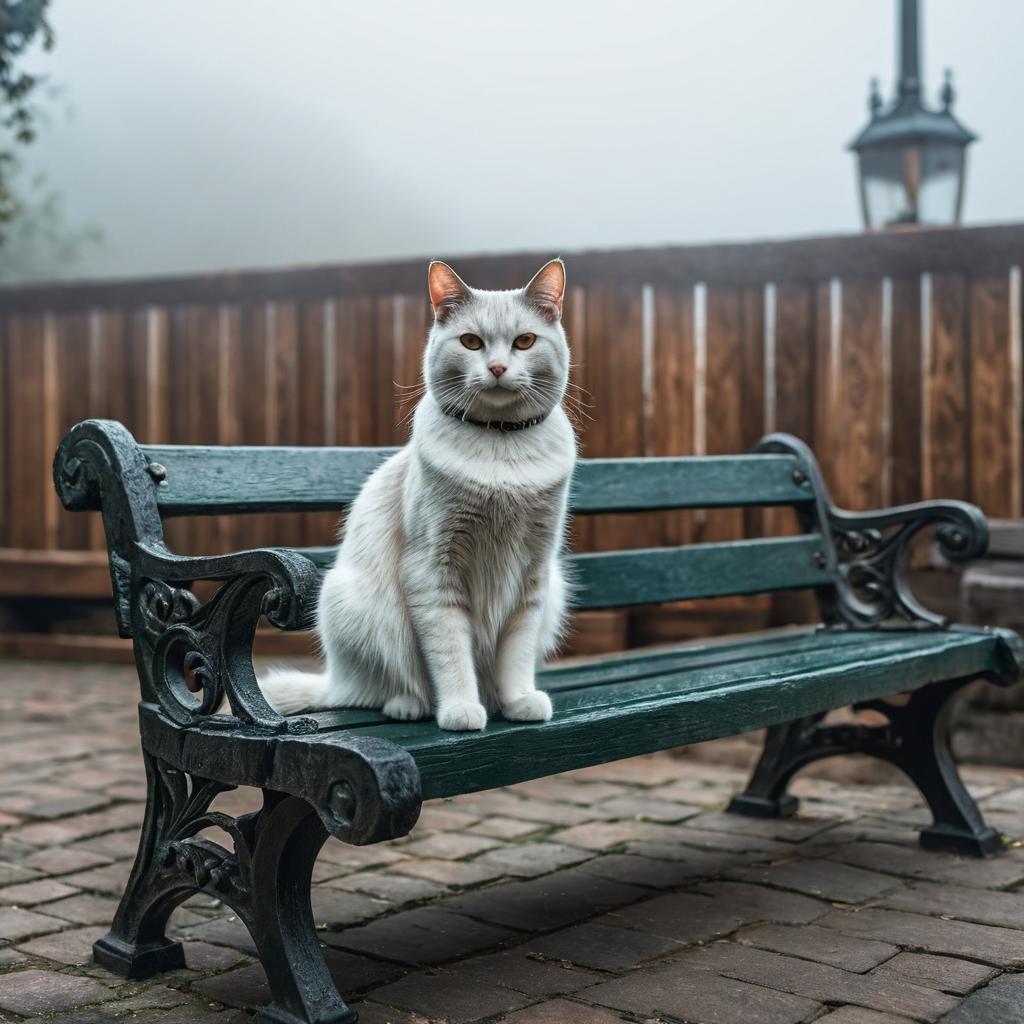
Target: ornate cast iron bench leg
(915, 740)
(266, 881)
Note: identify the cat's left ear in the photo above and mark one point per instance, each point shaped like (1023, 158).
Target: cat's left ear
(547, 289)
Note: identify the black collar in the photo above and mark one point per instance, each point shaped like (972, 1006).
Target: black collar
(503, 425)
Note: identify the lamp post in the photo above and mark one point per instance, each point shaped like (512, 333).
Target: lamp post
(911, 159)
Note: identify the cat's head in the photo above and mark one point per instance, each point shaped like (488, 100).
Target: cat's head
(497, 355)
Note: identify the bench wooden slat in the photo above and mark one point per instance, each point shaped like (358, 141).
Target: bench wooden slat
(612, 579)
(615, 578)
(208, 481)
(762, 656)
(597, 726)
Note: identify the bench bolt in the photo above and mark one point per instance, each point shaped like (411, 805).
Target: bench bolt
(341, 802)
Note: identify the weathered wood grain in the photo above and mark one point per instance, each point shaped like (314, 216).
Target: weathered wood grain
(603, 723)
(995, 430)
(905, 399)
(859, 449)
(673, 393)
(651, 575)
(946, 460)
(209, 481)
(724, 394)
(32, 430)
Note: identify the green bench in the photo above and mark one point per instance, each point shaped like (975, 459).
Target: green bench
(359, 777)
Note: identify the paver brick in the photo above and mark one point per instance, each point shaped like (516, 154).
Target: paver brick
(60, 860)
(42, 890)
(674, 989)
(602, 946)
(451, 845)
(825, 945)
(30, 992)
(788, 830)
(530, 859)
(17, 924)
(72, 947)
(759, 903)
(561, 1011)
(247, 986)
(942, 972)
(858, 1015)
(83, 908)
(543, 904)
(441, 817)
(913, 862)
(999, 946)
(391, 887)
(505, 828)
(655, 874)
(111, 878)
(455, 873)
(981, 906)
(649, 808)
(439, 995)
(427, 935)
(819, 981)
(522, 970)
(824, 879)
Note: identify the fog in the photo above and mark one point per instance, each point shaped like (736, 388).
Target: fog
(207, 134)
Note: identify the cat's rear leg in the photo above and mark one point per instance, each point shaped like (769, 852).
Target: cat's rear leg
(406, 707)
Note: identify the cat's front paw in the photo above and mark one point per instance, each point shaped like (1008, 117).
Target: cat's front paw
(530, 707)
(462, 716)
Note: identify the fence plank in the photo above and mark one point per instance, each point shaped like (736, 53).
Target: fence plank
(905, 399)
(32, 430)
(74, 403)
(615, 375)
(723, 405)
(946, 460)
(858, 452)
(995, 436)
(673, 377)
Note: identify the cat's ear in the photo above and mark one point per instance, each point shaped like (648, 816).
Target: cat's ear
(447, 290)
(547, 289)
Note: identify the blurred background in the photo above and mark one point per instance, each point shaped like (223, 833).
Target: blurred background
(215, 219)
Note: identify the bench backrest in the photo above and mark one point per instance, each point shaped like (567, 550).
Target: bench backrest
(203, 480)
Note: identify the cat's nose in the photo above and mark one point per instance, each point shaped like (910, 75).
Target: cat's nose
(497, 368)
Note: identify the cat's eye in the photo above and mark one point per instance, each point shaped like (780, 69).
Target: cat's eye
(524, 341)
(471, 341)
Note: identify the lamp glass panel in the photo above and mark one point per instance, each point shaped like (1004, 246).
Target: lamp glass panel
(942, 170)
(890, 177)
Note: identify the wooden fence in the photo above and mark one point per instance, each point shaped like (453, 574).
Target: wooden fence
(897, 356)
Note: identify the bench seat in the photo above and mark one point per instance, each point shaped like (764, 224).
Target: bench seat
(611, 708)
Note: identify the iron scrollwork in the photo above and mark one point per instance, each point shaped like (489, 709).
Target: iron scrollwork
(874, 551)
(868, 553)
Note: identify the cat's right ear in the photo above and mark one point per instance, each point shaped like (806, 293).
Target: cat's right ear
(447, 290)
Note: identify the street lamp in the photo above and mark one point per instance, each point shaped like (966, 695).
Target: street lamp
(911, 160)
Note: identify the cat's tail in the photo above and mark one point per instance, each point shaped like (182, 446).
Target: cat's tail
(288, 690)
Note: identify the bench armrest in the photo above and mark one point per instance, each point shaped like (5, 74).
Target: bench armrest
(293, 580)
(867, 553)
(872, 556)
(195, 656)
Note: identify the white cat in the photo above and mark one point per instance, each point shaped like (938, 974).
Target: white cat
(448, 589)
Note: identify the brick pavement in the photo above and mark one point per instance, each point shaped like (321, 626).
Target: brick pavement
(619, 893)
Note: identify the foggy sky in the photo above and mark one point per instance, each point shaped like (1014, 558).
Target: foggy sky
(208, 134)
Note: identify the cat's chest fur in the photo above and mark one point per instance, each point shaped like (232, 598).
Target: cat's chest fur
(491, 510)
